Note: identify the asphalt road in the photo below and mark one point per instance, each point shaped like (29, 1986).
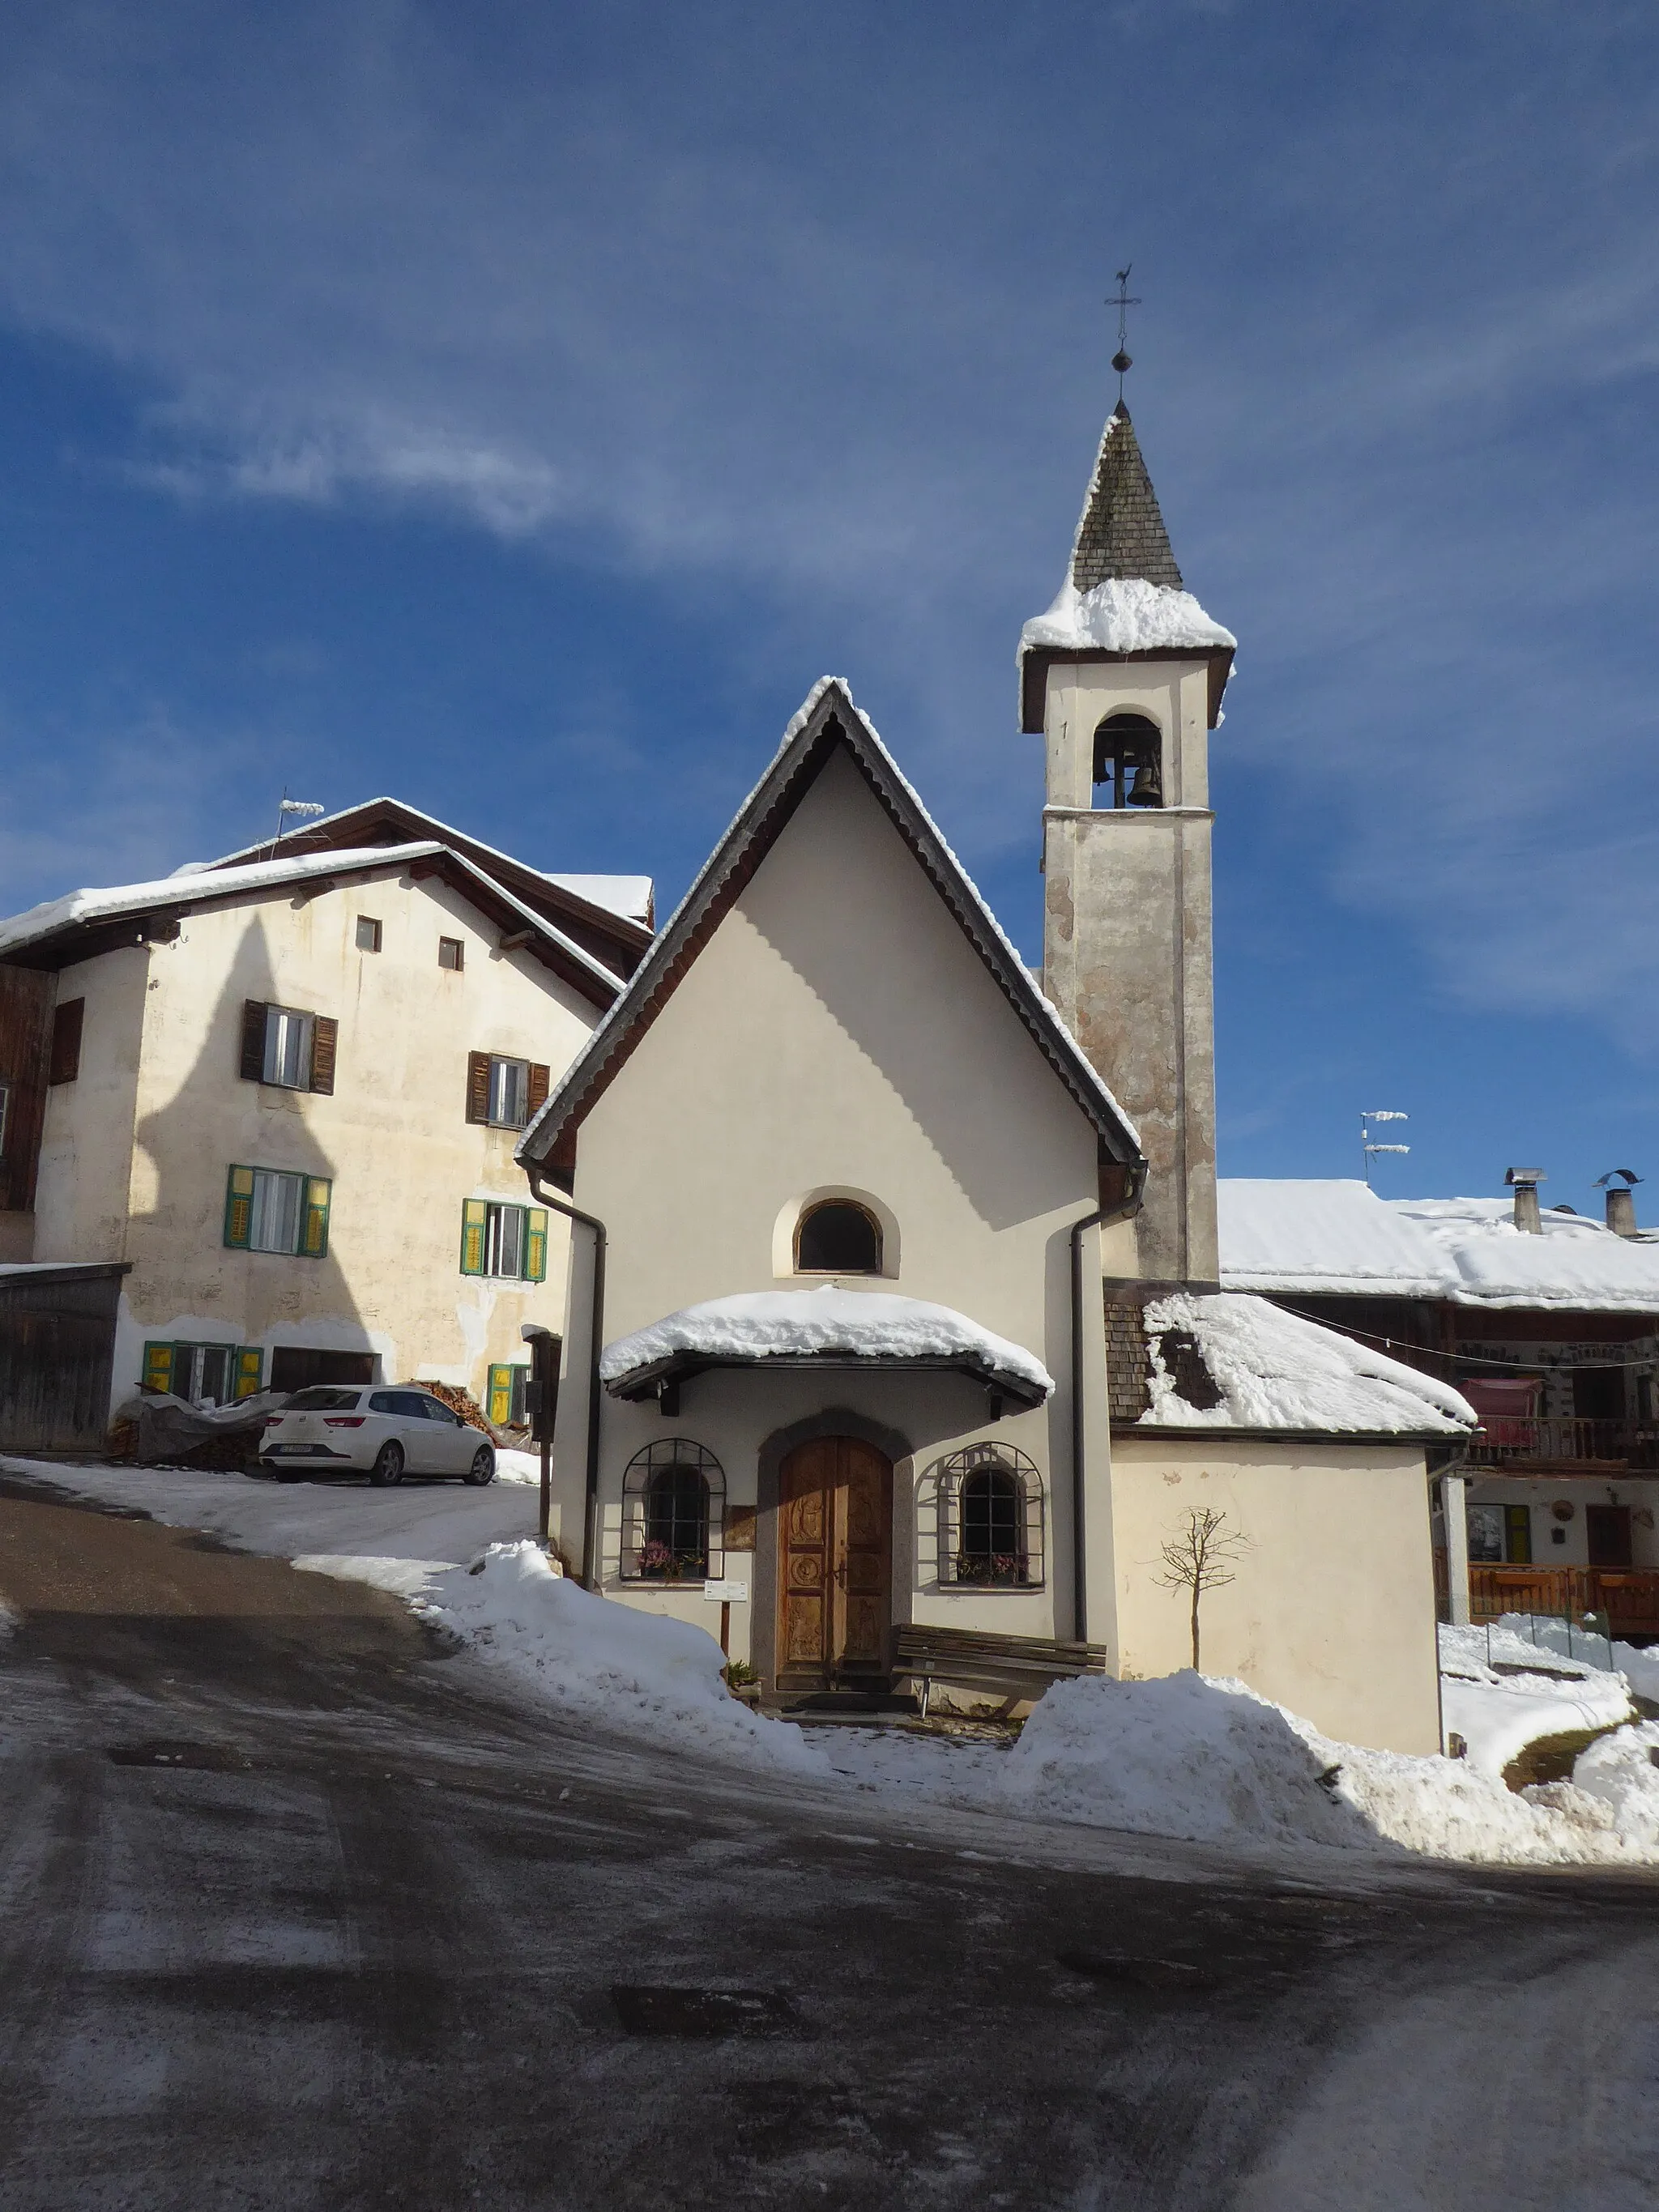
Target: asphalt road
(300, 1909)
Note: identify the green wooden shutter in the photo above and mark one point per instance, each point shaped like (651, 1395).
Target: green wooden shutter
(239, 1208)
(499, 1397)
(250, 1370)
(158, 1367)
(474, 1220)
(313, 1235)
(535, 1246)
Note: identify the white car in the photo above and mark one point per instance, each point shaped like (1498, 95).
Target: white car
(383, 1433)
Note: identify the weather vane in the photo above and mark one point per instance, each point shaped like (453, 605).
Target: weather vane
(1122, 302)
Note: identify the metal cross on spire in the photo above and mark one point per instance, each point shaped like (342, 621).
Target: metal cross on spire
(1121, 300)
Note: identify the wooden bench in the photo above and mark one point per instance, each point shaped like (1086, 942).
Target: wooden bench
(1018, 1665)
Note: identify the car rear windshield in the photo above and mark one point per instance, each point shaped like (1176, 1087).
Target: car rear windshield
(322, 1401)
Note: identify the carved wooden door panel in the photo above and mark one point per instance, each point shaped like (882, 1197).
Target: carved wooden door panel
(835, 1562)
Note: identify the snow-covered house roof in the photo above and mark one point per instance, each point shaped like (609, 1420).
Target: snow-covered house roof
(827, 720)
(612, 915)
(85, 922)
(1338, 1239)
(828, 1325)
(1223, 1362)
(1123, 594)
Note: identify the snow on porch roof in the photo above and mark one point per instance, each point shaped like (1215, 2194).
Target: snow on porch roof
(1271, 1370)
(825, 1326)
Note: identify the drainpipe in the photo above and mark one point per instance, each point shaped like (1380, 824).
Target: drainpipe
(1098, 1219)
(596, 1345)
(1455, 1512)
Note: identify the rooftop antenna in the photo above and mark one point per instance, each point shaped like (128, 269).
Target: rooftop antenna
(306, 809)
(1369, 1148)
(1121, 300)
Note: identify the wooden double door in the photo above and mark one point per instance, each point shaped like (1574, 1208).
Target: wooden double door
(835, 1564)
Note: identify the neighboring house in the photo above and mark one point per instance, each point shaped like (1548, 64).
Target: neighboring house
(282, 1093)
(1546, 1321)
(860, 1206)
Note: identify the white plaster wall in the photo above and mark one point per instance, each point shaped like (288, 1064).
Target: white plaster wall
(393, 1136)
(82, 1189)
(1332, 1612)
(838, 1030)
(1540, 1493)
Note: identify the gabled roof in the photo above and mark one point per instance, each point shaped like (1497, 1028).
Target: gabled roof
(1121, 531)
(604, 924)
(1123, 598)
(828, 721)
(84, 923)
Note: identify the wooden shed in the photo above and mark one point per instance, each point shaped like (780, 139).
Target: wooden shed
(57, 1354)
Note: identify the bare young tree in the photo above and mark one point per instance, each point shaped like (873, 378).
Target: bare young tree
(1201, 1558)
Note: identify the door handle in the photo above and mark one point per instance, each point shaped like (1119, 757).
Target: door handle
(839, 1570)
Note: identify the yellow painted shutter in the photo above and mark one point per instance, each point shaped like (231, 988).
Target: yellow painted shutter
(158, 1367)
(250, 1366)
(535, 1248)
(239, 1207)
(314, 1240)
(475, 1220)
(501, 1395)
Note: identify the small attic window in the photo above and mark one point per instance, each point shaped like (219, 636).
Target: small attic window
(838, 1237)
(1128, 763)
(451, 953)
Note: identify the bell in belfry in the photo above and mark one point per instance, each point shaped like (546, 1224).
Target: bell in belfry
(1147, 789)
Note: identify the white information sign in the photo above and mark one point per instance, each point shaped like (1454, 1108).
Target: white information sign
(730, 1591)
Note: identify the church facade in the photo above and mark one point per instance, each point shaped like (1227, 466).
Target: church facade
(894, 1292)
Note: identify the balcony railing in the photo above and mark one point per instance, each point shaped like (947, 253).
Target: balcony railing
(1624, 1600)
(1510, 1439)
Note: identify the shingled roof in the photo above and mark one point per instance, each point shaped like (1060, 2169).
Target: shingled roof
(1120, 531)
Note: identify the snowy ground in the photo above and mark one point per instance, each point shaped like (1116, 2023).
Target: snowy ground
(1187, 1756)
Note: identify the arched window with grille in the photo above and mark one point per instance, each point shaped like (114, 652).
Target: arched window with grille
(991, 1519)
(674, 1514)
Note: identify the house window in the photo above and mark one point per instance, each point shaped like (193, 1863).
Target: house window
(838, 1237)
(66, 1021)
(286, 1048)
(503, 1240)
(271, 1210)
(368, 933)
(507, 1094)
(450, 953)
(506, 1398)
(674, 1514)
(991, 1519)
(203, 1374)
(1500, 1534)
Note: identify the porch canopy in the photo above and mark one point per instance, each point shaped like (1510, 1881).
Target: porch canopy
(826, 1327)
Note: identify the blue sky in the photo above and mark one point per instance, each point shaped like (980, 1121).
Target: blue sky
(516, 408)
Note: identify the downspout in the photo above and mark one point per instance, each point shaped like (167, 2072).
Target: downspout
(590, 1513)
(1129, 1204)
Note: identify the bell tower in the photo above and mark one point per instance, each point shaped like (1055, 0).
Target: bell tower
(1124, 676)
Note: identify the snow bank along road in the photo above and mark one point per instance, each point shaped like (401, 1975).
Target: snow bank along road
(301, 1909)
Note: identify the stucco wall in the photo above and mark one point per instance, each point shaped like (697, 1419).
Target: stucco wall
(1332, 1612)
(81, 1192)
(1126, 941)
(838, 1030)
(1541, 1492)
(393, 1136)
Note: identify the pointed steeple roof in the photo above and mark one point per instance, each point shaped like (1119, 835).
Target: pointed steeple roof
(1121, 532)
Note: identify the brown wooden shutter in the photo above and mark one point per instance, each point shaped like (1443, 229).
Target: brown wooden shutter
(254, 1040)
(66, 1022)
(325, 1037)
(538, 1075)
(478, 1086)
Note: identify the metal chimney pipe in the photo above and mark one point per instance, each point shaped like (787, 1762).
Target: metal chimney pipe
(1524, 1183)
(1619, 1184)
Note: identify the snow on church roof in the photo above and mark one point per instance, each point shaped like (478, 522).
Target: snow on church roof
(761, 1325)
(1338, 1239)
(1273, 1370)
